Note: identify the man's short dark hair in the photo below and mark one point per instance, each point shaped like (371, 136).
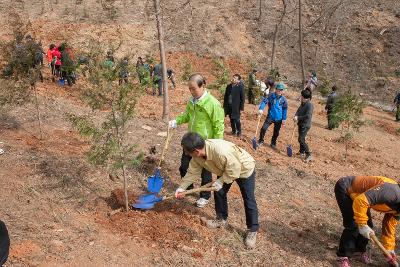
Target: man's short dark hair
(334, 88)
(306, 93)
(192, 141)
(237, 76)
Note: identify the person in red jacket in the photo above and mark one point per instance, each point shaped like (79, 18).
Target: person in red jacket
(49, 57)
(57, 61)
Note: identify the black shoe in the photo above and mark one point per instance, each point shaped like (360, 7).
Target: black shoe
(260, 143)
(239, 135)
(273, 146)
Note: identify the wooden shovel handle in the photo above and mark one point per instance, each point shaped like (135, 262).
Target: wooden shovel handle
(258, 124)
(291, 138)
(169, 134)
(382, 248)
(188, 192)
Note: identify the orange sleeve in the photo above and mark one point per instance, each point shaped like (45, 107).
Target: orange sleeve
(360, 209)
(389, 231)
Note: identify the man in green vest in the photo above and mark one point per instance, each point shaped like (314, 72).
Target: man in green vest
(205, 116)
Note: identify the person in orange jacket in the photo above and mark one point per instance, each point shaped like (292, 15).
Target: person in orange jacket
(356, 196)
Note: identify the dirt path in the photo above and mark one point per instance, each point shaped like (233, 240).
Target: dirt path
(56, 205)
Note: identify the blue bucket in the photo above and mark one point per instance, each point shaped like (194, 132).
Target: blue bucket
(61, 82)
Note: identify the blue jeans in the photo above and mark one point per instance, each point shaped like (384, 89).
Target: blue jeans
(247, 186)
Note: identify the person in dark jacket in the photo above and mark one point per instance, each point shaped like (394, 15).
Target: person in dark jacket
(397, 103)
(4, 243)
(330, 104)
(156, 75)
(124, 71)
(171, 77)
(277, 113)
(303, 118)
(234, 103)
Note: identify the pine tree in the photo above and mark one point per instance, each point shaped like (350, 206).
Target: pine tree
(105, 94)
(348, 112)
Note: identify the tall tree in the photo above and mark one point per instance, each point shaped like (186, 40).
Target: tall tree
(303, 76)
(160, 31)
(277, 26)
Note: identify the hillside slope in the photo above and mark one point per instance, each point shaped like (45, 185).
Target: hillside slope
(351, 43)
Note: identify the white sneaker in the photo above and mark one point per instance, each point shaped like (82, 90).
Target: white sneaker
(202, 202)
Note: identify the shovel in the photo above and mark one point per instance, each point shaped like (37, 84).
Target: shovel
(156, 181)
(254, 141)
(383, 249)
(148, 201)
(289, 148)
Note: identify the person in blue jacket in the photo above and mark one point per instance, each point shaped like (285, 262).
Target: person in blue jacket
(277, 113)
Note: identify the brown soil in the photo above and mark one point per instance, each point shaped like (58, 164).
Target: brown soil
(66, 201)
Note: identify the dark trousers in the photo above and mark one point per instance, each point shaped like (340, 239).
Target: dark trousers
(4, 243)
(236, 125)
(247, 186)
(264, 129)
(398, 113)
(206, 176)
(350, 241)
(331, 123)
(302, 140)
(159, 85)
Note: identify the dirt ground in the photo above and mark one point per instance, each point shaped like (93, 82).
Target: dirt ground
(56, 205)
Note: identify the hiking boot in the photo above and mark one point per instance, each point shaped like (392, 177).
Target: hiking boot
(308, 158)
(260, 143)
(300, 154)
(250, 241)
(214, 224)
(343, 262)
(201, 202)
(363, 257)
(273, 146)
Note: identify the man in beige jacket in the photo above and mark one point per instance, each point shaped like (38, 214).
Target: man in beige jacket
(230, 163)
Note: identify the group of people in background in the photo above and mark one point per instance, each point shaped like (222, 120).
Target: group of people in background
(277, 104)
(152, 74)
(62, 62)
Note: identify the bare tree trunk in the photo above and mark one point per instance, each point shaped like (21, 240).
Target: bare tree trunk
(160, 31)
(277, 26)
(303, 76)
(38, 112)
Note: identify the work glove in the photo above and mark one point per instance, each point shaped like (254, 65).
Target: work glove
(178, 191)
(365, 231)
(172, 124)
(295, 118)
(218, 185)
(260, 112)
(393, 259)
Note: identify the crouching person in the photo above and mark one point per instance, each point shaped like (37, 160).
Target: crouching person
(356, 195)
(230, 163)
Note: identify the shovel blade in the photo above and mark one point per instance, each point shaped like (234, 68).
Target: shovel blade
(254, 141)
(155, 182)
(289, 150)
(142, 206)
(149, 198)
